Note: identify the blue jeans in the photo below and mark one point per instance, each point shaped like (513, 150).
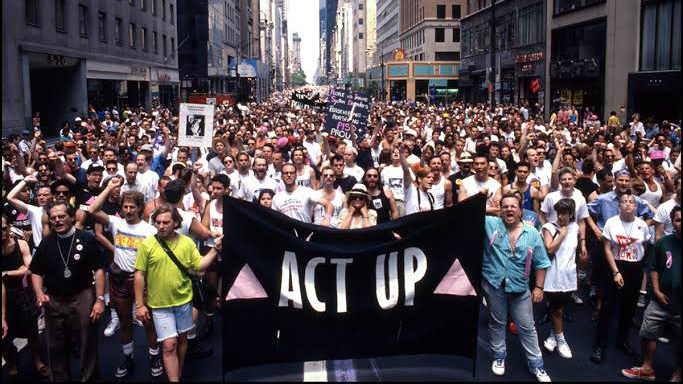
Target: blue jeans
(519, 306)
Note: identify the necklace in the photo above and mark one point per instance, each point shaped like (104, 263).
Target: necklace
(628, 233)
(67, 271)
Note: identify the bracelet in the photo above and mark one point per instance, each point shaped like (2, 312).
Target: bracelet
(614, 274)
(139, 306)
(536, 286)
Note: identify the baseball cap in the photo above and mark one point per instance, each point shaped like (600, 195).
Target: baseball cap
(94, 167)
(465, 157)
(146, 147)
(410, 131)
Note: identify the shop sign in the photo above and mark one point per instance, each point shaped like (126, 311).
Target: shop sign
(527, 67)
(423, 69)
(535, 85)
(138, 70)
(529, 57)
(399, 54)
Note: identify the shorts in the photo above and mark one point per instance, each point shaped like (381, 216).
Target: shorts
(169, 322)
(558, 299)
(656, 320)
(122, 285)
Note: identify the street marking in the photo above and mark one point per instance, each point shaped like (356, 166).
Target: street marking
(315, 371)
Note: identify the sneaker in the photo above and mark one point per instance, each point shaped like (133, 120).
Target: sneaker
(498, 367)
(642, 301)
(639, 373)
(577, 299)
(113, 326)
(41, 322)
(155, 365)
(597, 354)
(664, 340)
(564, 351)
(550, 343)
(540, 374)
(125, 368)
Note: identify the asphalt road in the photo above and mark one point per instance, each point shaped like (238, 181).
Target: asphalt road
(578, 331)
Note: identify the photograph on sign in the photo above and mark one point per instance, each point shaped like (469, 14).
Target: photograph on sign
(196, 125)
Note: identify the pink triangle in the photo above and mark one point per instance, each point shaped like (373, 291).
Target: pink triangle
(246, 286)
(455, 282)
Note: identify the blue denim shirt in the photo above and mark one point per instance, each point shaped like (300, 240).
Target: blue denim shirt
(499, 263)
(606, 206)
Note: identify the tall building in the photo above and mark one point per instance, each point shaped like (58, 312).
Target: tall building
(212, 37)
(296, 52)
(609, 54)
(359, 41)
(58, 59)
(266, 31)
(252, 72)
(430, 29)
(518, 70)
(323, 52)
(387, 27)
(331, 23)
(371, 33)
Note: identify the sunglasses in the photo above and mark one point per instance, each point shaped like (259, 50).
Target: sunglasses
(371, 176)
(330, 176)
(357, 197)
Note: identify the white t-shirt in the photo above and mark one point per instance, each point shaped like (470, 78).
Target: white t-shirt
(356, 172)
(35, 216)
(313, 150)
(663, 215)
(127, 239)
(472, 186)
(337, 203)
(392, 177)
(627, 238)
(543, 175)
(297, 205)
(548, 206)
(561, 276)
(417, 200)
(151, 179)
(252, 187)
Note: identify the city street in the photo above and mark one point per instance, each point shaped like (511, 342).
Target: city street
(579, 333)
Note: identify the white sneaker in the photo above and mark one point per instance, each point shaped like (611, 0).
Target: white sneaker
(550, 343)
(498, 367)
(564, 351)
(113, 326)
(541, 375)
(664, 340)
(137, 322)
(41, 322)
(577, 299)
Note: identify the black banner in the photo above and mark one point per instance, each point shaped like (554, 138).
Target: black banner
(307, 99)
(299, 292)
(346, 112)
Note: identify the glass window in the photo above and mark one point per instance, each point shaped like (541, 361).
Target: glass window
(455, 11)
(143, 6)
(360, 36)
(661, 22)
(360, 6)
(83, 20)
(163, 39)
(131, 35)
(456, 35)
(439, 35)
(143, 38)
(154, 7)
(664, 12)
(172, 13)
(60, 23)
(360, 21)
(172, 47)
(440, 11)
(117, 31)
(32, 12)
(102, 26)
(155, 43)
(163, 9)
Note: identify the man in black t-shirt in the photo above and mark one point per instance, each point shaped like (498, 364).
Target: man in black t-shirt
(343, 180)
(65, 263)
(465, 163)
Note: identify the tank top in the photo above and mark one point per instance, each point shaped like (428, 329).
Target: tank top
(12, 262)
(305, 179)
(438, 190)
(652, 197)
(215, 222)
(319, 211)
(528, 201)
(381, 205)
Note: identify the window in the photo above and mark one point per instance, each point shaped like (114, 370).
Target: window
(163, 39)
(154, 7)
(564, 6)
(32, 12)
(118, 38)
(360, 35)
(439, 35)
(143, 38)
(172, 47)
(163, 9)
(131, 2)
(447, 56)
(530, 25)
(660, 36)
(155, 45)
(102, 26)
(455, 11)
(456, 35)
(441, 11)
(360, 6)
(83, 20)
(360, 21)
(143, 6)
(171, 14)
(60, 23)
(131, 35)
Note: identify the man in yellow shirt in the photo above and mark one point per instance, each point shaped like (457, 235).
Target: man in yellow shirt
(613, 120)
(169, 291)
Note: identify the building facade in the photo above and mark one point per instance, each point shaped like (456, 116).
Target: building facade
(295, 60)
(430, 29)
(61, 58)
(388, 12)
(514, 70)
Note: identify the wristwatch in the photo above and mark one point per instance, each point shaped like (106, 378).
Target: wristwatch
(100, 298)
